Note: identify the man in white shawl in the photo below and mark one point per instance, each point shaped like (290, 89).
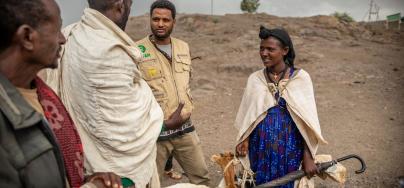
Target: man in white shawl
(116, 114)
(277, 120)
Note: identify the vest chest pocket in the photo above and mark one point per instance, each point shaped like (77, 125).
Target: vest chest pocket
(183, 63)
(150, 69)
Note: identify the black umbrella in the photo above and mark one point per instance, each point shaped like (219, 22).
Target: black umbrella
(300, 173)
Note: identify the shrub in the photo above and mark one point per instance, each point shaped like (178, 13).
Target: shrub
(344, 17)
(249, 6)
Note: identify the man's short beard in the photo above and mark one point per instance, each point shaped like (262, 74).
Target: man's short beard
(122, 23)
(53, 66)
(162, 37)
(124, 20)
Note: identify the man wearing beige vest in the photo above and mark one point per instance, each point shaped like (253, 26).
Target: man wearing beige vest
(166, 67)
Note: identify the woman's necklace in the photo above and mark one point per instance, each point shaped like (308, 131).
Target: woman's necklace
(274, 88)
(276, 75)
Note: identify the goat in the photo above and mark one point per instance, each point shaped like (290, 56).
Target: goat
(225, 162)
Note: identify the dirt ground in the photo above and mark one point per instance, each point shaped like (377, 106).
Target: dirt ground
(358, 75)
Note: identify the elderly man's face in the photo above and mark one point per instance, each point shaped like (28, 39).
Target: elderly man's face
(50, 38)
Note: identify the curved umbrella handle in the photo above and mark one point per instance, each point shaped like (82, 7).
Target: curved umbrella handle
(363, 164)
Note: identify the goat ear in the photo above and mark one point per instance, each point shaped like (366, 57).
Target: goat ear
(214, 158)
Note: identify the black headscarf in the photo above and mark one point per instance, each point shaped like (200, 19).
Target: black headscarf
(284, 38)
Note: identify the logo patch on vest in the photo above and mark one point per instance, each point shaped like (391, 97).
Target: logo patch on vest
(152, 72)
(143, 50)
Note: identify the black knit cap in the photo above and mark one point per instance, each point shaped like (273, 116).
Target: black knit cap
(283, 36)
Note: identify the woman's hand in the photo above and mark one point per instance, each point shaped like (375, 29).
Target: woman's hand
(309, 167)
(242, 148)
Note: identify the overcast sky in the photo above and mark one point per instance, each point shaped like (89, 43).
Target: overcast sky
(73, 9)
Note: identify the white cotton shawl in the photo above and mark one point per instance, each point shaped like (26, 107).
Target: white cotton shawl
(298, 93)
(114, 109)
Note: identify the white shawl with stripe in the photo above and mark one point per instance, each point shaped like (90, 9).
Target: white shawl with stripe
(299, 95)
(114, 109)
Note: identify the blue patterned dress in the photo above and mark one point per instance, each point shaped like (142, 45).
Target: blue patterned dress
(275, 146)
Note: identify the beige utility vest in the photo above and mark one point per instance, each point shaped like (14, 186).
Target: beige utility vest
(169, 81)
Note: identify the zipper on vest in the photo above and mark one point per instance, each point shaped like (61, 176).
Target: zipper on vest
(172, 72)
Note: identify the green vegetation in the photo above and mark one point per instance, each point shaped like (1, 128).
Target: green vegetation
(249, 6)
(344, 17)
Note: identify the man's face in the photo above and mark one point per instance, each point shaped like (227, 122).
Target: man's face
(161, 23)
(50, 38)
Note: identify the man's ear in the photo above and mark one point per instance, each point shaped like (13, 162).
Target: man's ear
(120, 6)
(25, 37)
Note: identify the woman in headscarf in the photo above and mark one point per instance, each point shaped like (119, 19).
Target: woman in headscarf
(277, 120)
